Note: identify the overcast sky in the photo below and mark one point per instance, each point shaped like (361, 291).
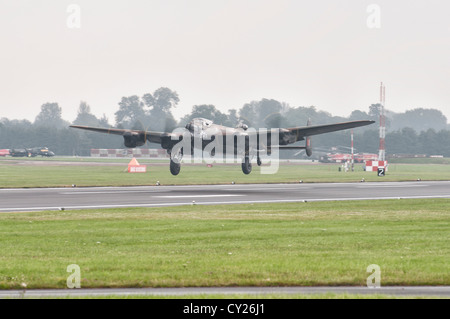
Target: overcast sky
(328, 53)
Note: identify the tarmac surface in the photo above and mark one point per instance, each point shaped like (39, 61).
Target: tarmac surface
(38, 199)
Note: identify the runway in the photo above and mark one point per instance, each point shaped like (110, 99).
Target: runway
(38, 199)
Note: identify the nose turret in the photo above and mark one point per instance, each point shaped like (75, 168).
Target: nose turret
(190, 127)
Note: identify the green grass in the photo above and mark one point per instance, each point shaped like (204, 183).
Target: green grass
(31, 173)
(309, 244)
(421, 160)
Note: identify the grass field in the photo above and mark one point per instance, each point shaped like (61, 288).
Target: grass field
(323, 243)
(82, 172)
(307, 244)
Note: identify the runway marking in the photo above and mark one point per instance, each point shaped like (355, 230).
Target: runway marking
(263, 188)
(28, 209)
(390, 186)
(197, 196)
(109, 192)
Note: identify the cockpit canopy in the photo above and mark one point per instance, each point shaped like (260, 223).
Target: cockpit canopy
(198, 124)
(242, 126)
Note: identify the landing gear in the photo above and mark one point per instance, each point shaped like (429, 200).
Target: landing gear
(258, 159)
(246, 165)
(175, 161)
(174, 167)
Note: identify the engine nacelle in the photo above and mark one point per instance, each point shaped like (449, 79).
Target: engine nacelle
(167, 142)
(133, 139)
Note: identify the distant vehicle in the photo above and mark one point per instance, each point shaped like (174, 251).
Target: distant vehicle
(363, 157)
(31, 152)
(42, 151)
(4, 152)
(343, 157)
(19, 152)
(335, 158)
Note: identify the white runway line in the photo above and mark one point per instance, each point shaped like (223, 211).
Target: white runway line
(29, 209)
(197, 196)
(109, 192)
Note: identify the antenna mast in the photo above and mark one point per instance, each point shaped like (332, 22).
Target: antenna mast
(382, 150)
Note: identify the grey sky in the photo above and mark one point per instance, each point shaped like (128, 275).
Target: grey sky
(224, 52)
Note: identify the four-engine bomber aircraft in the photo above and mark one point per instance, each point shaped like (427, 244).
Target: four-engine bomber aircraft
(241, 141)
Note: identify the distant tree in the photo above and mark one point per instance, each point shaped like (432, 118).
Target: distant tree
(83, 141)
(261, 113)
(44, 136)
(131, 113)
(374, 111)
(275, 120)
(15, 133)
(233, 118)
(374, 115)
(299, 116)
(66, 143)
(430, 143)
(103, 121)
(367, 141)
(162, 100)
(358, 116)
(269, 112)
(404, 141)
(50, 116)
(160, 104)
(443, 138)
(209, 112)
(248, 114)
(85, 117)
(420, 120)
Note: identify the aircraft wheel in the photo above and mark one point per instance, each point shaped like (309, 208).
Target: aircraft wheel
(175, 167)
(247, 166)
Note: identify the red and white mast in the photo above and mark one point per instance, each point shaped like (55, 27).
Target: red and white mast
(353, 153)
(382, 150)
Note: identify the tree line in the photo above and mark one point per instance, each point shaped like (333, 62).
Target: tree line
(417, 131)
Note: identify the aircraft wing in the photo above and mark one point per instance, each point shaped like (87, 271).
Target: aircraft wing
(305, 131)
(154, 137)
